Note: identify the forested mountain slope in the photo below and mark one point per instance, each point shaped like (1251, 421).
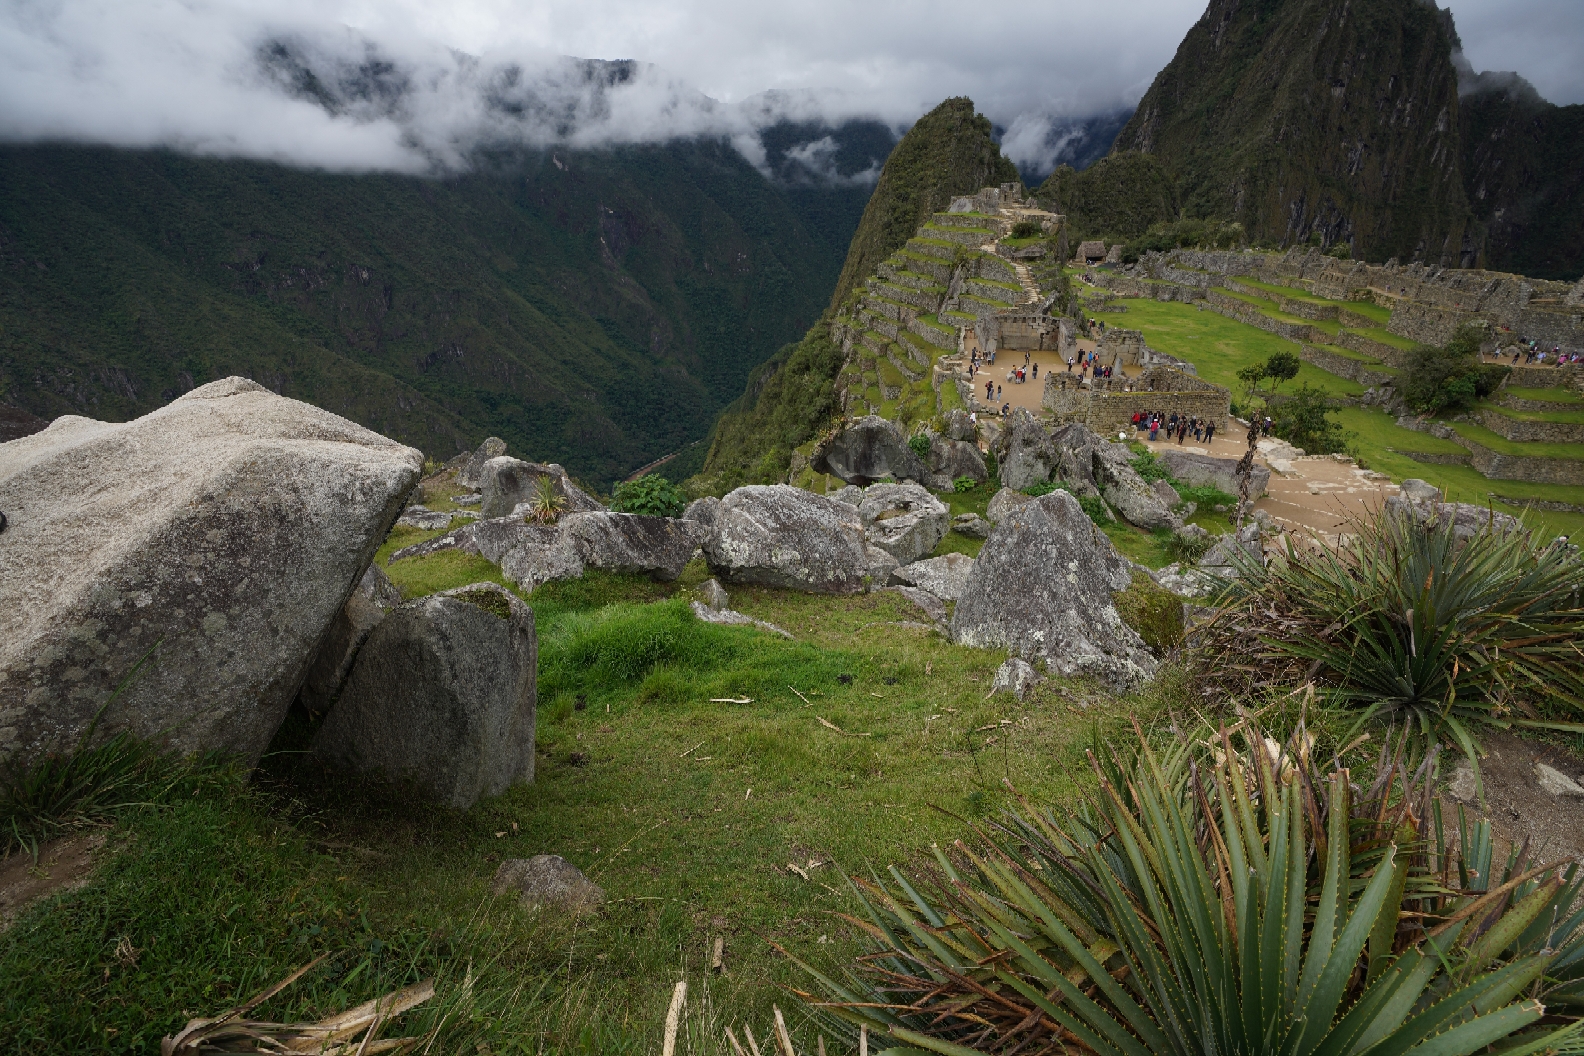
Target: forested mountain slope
(595, 309)
(948, 152)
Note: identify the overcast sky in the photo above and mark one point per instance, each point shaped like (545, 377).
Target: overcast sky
(188, 73)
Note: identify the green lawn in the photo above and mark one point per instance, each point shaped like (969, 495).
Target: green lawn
(1496, 442)
(1567, 417)
(1219, 347)
(1385, 337)
(1369, 310)
(687, 810)
(1548, 395)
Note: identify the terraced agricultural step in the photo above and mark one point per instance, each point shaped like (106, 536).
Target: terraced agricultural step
(975, 220)
(1531, 429)
(963, 236)
(920, 299)
(910, 279)
(1352, 366)
(1532, 400)
(939, 248)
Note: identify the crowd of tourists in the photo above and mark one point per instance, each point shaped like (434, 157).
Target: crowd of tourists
(1176, 425)
(1531, 352)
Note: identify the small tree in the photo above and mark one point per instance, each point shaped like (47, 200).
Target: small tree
(1282, 366)
(1449, 379)
(1304, 420)
(652, 495)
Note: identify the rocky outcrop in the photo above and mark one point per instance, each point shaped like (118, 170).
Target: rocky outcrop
(196, 554)
(1004, 502)
(374, 597)
(471, 475)
(423, 518)
(904, 520)
(943, 576)
(1201, 471)
(959, 426)
(951, 460)
(490, 539)
(867, 450)
(507, 482)
(972, 525)
(713, 595)
(540, 556)
(1025, 452)
(1075, 448)
(781, 536)
(1466, 519)
(629, 542)
(442, 695)
(1126, 492)
(1223, 552)
(547, 881)
(1042, 589)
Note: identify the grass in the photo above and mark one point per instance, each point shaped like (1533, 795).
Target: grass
(1548, 395)
(1385, 337)
(1565, 417)
(1500, 444)
(687, 844)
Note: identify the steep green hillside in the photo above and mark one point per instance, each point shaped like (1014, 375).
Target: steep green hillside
(1118, 197)
(948, 152)
(1523, 164)
(593, 309)
(1298, 117)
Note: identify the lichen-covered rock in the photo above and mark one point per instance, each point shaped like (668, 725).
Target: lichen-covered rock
(1247, 539)
(491, 539)
(950, 460)
(878, 566)
(442, 695)
(959, 426)
(424, 518)
(852, 495)
(207, 546)
(472, 472)
(704, 512)
(730, 617)
(1042, 589)
(507, 482)
(1467, 520)
(630, 542)
(1017, 677)
(1201, 471)
(1126, 492)
(1025, 452)
(943, 576)
(1417, 490)
(712, 594)
(780, 536)
(539, 558)
(904, 520)
(867, 450)
(972, 525)
(1004, 502)
(548, 881)
(374, 597)
(1184, 581)
(1075, 446)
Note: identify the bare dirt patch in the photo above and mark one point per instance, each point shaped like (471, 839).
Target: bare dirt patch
(61, 865)
(1527, 796)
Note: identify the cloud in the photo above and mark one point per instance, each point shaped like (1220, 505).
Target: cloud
(415, 86)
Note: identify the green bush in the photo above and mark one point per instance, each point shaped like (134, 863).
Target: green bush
(649, 494)
(1403, 618)
(1041, 487)
(1222, 895)
(964, 484)
(1304, 420)
(1449, 380)
(1205, 495)
(1146, 465)
(1027, 229)
(1093, 506)
(920, 443)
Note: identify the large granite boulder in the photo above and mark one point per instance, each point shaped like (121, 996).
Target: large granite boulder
(1075, 447)
(959, 426)
(471, 475)
(630, 542)
(866, 450)
(1201, 471)
(950, 460)
(1466, 519)
(1004, 502)
(541, 556)
(1026, 454)
(442, 696)
(196, 554)
(904, 520)
(780, 536)
(490, 539)
(1042, 589)
(1126, 492)
(507, 482)
(943, 576)
(373, 598)
(1247, 540)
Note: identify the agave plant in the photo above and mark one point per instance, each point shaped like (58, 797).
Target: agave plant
(546, 503)
(1408, 619)
(1220, 901)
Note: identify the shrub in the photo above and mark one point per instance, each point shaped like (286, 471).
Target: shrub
(1186, 549)
(1041, 487)
(1205, 495)
(1304, 420)
(1146, 465)
(964, 484)
(649, 494)
(1448, 380)
(1403, 618)
(920, 443)
(1219, 897)
(1027, 229)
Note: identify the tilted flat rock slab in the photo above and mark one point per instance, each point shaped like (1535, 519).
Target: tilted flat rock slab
(217, 537)
(780, 536)
(1041, 588)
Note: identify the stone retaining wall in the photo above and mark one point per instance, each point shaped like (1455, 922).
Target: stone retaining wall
(1518, 403)
(1347, 318)
(1307, 309)
(943, 338)
(1390, 355)
(928, 249)
(1428, 324)
(1244, 312)
(1525, 431)
(1529, 468)
(1435, 458)
(1545, 377)
(1343, 366)
(963, 236)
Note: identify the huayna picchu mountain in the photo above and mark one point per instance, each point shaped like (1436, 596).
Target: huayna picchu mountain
(1342, 121)
(948, 153)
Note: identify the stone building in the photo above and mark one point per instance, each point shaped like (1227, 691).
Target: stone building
(1107, 406)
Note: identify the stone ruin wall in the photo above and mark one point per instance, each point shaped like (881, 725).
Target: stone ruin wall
(1110, 408)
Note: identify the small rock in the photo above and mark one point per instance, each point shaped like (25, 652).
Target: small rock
(1462, 786)
(728, 616)
(943, 576)
(904, 520)
(472, 499)
(1166, 494)
(972, 525)
(1556, 782)
(714, 595)
(548, 880)
(424, 518)
(1420, 491)
(1017, 677)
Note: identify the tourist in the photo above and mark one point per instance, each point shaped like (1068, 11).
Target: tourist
(1006, 409)
(1036, 372)
(1069, 364)
(998, 392)
(1136, 419)
(1267, 425)
(1210, 430)
(1182, 430)
(989, 390)
(1154, 428)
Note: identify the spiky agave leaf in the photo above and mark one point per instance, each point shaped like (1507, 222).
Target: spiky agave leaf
(1220, 901)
